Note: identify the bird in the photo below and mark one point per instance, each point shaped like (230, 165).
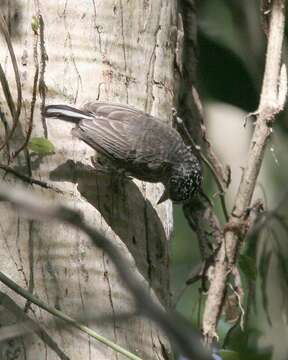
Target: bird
(137, 145)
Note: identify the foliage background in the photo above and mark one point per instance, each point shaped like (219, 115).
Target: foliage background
(231, 45)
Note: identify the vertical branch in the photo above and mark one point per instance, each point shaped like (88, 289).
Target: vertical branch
(42, 85)
(201, 216)
(34, 96)
(189, 103)
(16, 113)
(272, 101)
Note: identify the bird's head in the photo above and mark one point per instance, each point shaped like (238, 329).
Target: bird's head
(184, 182)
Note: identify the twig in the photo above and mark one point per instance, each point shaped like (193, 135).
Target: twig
(194, 275)
(5, 32)
(28, 179)
(43, 60)
(180, 333)
(270, 105)
(265, 217)
(213, 159)
(242, 311)
(6, 128)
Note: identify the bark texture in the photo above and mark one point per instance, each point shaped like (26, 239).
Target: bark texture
(78, 51)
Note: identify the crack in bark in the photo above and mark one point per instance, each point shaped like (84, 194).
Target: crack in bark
(54, 279)
(18, 268)
(31, 263)
(148, 253)
(43, 272)
(151, 67)
(98, 29)
(124, 50)
(149, 84)
(106, 277)
(80, 287)
(72, 57)
(154, 348)
(82, 301)
(19, 251)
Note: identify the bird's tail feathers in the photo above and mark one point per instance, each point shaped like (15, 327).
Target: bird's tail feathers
(67, 113)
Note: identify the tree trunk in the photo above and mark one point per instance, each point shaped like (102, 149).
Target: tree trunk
(77, 51)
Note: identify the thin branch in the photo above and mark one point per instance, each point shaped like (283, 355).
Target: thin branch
(28, 179)
(7, 92)
(242, 311)
(194, 275)
(4, 30)
(6, 128)
(42, 85)
(33, 100)
(270, 105)
(222, 177)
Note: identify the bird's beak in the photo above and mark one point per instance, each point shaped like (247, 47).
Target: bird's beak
(164, 197)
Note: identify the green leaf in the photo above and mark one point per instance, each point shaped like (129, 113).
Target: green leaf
(35, 24)
(41, 146)
(247, 265)
(229, 355)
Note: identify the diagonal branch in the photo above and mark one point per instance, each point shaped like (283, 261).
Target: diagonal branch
(25, 325)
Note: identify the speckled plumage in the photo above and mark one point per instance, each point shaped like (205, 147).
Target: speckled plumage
(137, 143)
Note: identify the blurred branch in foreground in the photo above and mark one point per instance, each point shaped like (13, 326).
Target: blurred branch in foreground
(183, 336)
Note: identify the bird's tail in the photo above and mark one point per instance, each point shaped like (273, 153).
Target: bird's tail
(67, 113)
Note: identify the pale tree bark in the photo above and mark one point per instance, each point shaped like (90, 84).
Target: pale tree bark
(78, 51)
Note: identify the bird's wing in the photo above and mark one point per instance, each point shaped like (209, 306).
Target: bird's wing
(105, 136)
(113, 130)
(124, 133)
(111, 111)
